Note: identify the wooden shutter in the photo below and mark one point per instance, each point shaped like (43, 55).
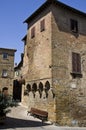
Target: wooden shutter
(42, 25)
(33, 32)
(76, 63)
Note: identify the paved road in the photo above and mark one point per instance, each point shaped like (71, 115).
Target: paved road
(18, 120)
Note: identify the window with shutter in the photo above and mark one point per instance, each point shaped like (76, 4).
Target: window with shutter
(76, 64)
(33, 32)
(42, 25)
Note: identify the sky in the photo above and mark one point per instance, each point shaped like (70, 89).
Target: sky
(12, 15)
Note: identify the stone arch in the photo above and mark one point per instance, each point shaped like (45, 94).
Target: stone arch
(47, 85)
(40, 89)
(41, 86)
(28, 87)
(34, 87)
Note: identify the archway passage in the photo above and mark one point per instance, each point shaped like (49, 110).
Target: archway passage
(17, 90)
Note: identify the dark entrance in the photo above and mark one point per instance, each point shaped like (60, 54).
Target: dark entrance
(17, 90)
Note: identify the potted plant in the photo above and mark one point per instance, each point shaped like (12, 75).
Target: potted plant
(6, 101)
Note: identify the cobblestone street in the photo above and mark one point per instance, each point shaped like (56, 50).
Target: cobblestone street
(19, 120)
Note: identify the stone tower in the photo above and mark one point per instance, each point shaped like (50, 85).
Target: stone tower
(54, 55)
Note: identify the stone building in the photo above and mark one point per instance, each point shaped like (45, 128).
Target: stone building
(7, 68)
(55, 58)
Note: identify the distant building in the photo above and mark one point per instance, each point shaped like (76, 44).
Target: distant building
(7, 68)
(18, 68)
(18, 81)
(55, 55)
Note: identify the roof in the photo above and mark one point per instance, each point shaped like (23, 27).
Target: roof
(8, 49)
(48, 3)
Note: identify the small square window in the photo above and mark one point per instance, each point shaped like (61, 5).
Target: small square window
(42, 25)
(74, 25)
(33, 32)
(4, 73)
(5, 55)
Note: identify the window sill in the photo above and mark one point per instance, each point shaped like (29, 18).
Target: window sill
(5, 59)
(42, 30)
(32, 36)
(75, 75)
(4, 76)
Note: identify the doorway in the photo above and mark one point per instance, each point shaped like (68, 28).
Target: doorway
(17, 90)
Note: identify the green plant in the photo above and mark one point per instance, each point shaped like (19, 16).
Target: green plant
(6, 102)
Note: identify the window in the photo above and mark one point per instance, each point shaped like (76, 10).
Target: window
(5, 55)
(42, 25)
(76, 64)
(33, 32)
(74, 25)
(4, 73)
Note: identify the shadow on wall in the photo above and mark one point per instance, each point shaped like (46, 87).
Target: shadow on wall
(69, 24)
